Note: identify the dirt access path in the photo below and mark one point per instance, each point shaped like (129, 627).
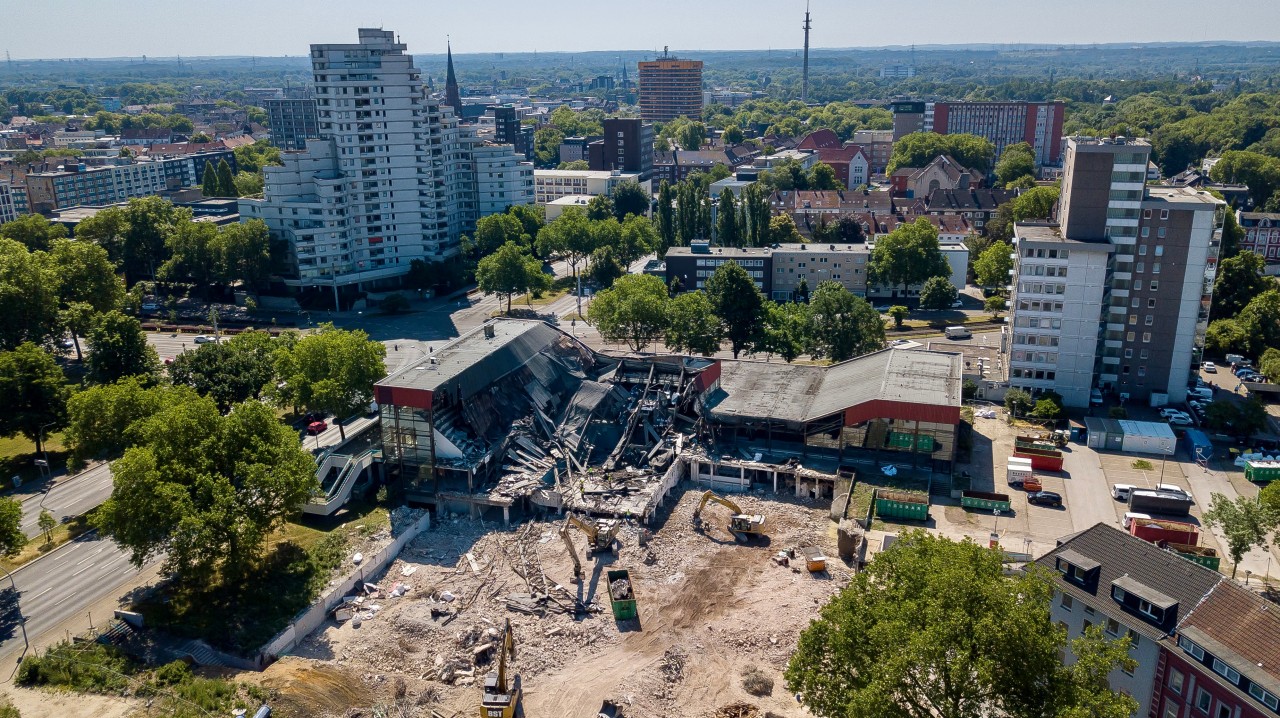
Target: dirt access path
(710, 608)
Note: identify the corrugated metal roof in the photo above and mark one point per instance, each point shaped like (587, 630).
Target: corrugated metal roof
(801, 393)
(1148, 428)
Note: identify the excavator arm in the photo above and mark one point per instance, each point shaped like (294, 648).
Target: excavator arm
(568, 543)
(712, 496)
(742, 525)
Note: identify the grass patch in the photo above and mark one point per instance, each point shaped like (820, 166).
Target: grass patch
(17, 454)
(170, 690)
(297, 565)
(1143, 465)
(860, 500)
(545, 299)
(37, 547)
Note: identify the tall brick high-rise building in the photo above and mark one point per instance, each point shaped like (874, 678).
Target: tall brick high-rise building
(670, 88)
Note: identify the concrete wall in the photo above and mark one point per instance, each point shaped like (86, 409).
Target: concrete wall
(1147, 652)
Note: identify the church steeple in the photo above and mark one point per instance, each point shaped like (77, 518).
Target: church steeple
(451, 95)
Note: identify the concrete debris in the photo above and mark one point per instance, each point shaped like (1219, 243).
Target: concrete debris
(620, 589)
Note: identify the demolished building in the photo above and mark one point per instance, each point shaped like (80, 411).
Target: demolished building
(518, 415)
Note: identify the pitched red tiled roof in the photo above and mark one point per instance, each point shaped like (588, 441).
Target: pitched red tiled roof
(1242, 621)
(819, 139)
(840, 154)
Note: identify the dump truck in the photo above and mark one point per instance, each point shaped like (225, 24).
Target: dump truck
(502, 696)
(984, 500)
(743, 526)
(1157, 530)
(1169, 503)
(622, 594)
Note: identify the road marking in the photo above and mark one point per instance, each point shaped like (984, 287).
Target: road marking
(38, 595)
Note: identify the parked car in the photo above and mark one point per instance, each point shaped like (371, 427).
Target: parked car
(1045, 498)
(1168, 411)
(1173, 488)
(1131, 516)
(957, 304)
(1095, 397)
(1181, 420)
(316, 427)
(1243, 370)
(1121, 491)
(204, 338)
(1209, 367)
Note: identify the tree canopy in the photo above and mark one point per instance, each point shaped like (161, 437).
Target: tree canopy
(920, 148)
(908, 255)
(739, 304)
(35, 393)
(935, 629)
(206, 489)
(633, 310)
(1017, 161)
(510, 271)
(332, 371)
(844, 326)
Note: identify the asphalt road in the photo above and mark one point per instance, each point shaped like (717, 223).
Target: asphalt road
(61, 585)
(70, 496)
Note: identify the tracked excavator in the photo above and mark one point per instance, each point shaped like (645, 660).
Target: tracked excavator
(600, 533)
(743, 526)
(502, 697)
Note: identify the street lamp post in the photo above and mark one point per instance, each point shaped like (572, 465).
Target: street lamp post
(22, 620)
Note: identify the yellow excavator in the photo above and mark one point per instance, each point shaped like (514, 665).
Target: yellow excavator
(600, 533)
(743, 526)
(500, 699)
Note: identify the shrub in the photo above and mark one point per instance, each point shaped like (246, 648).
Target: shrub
(755, 682)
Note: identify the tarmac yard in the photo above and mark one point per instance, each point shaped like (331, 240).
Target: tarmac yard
(709, 608)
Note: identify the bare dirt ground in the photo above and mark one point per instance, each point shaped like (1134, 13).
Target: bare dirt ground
(709, 607)
(48, 704)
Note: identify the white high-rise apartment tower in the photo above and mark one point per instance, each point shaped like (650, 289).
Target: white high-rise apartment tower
(391, 181)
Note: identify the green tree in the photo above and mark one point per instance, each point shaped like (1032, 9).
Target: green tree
(546, 146)
(574, 165)
(1259, 171)
(920, 148)
(1087, 690)
(992, 267)
(149, 220)
(494, 231)
(509, 271)
(786, 175)
(226, 181)
(532, 219)
(929, 630)
(106, 229)
(636, 239)
(101, 419)
(85, 275)
(694, 327)
(1225, 336)
(1036, 203)
(600, 208)
(898, 314)
(1260, 321)
(12, 539)
(727, 221)
(633, 310)
(788, 330)
(229, 372)
(1017, 161)
(691, 135)
(1269, 364)
(844, 326)
(209, 183)
(248, 184)
(1245, 522)
(568, 237)
(732, 135)
(1239, 280)
(47, 524)
(192, 247)
(629, 198)
(823, 177)
(33, 231)
(206, 490)
(35, 393)
(1018, 402)
(738, 303)
(242, 253)
(666, 217)
(120, 349)
(908, 255)
(1047, 411)
(995, 304)
(29, 289)
(937, 293)
(603, 269)
(332, 371)
(1232, 236)
(783, 230)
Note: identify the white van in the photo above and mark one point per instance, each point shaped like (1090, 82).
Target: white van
(1121, 491)
(958, 333)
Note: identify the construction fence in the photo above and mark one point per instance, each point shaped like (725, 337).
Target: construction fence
(313, 617)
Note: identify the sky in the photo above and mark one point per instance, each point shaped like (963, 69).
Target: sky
(164, 28)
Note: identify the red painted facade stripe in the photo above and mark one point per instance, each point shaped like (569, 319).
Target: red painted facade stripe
(902, 410)
(403, 396)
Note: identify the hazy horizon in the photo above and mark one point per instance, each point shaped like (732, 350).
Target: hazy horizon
(271, 28)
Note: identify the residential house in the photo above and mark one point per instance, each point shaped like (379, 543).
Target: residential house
(942, 173)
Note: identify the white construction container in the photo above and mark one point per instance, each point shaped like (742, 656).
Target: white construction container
(1018, 470)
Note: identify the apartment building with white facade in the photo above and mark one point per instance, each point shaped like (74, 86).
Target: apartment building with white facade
(1124, 281)
(502, 178)
(392, 178)
(551, 185)
(8, 212)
